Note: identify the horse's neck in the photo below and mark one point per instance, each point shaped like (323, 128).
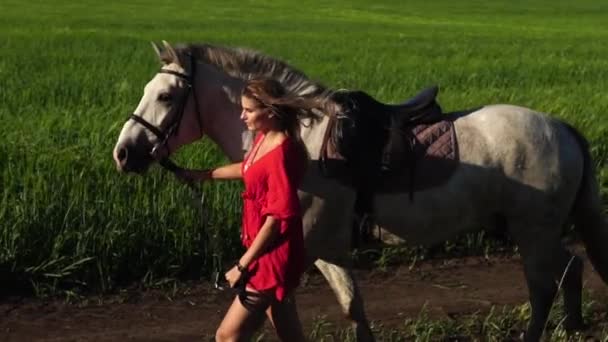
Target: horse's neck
(312, 136)
(221, 116)
(221, 112)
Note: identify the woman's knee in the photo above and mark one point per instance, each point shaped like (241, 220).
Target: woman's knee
(224, 335)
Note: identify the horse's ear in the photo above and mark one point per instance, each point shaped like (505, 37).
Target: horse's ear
(171, 52)
(157, 50)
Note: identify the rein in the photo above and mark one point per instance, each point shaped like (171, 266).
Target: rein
(209, 242)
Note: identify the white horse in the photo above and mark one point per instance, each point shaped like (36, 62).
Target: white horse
(520, 171)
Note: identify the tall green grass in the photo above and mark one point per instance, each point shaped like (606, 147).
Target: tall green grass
(71, 72)
(499, 324)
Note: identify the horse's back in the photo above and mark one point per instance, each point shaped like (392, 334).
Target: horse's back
(514, 162)
(513, 138)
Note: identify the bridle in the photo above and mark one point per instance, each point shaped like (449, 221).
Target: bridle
(163, 135)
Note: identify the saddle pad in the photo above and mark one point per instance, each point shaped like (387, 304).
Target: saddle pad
(434, 159)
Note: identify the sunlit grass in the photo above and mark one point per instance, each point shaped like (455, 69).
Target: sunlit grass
(71, 72)
(499, 323)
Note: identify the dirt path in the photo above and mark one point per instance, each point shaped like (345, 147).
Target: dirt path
(449, 287)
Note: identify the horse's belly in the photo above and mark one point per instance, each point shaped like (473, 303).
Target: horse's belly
(427, 220)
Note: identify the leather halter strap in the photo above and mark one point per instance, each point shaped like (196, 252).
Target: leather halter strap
(164, 135)
(160, 134)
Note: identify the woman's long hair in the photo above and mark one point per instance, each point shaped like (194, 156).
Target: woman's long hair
(287, 108)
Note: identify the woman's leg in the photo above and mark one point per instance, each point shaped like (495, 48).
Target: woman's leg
(284, 318)
(244, 317)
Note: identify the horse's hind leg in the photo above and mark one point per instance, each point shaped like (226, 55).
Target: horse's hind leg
(573, 290)
(343, 284)
(546, 261)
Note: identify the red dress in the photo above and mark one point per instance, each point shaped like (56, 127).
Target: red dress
(271, 184)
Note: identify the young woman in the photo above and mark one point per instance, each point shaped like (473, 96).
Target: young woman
(272, 220)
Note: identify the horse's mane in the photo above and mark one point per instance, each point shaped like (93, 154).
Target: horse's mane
(248, 64)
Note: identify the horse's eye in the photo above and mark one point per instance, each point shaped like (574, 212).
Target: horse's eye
(164, 97)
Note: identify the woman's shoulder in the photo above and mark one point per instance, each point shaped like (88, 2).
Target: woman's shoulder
(294, 152)
(290, 145)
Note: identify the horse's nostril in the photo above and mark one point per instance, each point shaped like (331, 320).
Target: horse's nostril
(122, 154)
(128, 158)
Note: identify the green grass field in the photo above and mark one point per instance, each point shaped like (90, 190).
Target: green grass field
(71, 73)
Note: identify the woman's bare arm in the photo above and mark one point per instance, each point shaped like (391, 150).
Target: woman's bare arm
(230, 171)
(267, 234)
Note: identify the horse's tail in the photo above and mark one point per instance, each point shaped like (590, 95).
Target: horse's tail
(587, 211)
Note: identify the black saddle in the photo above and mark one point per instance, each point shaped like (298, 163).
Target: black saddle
(366, 130)
(424, 104)
(368, 142)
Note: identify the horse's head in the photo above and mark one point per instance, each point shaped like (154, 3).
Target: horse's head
(166, 118)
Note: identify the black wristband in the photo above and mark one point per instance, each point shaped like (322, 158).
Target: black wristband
(240, 267)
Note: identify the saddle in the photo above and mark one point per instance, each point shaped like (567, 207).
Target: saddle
(422, 107)
(399, 147)
(383, 148)
(369, 144)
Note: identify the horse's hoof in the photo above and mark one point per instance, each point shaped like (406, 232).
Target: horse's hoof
(575, 326)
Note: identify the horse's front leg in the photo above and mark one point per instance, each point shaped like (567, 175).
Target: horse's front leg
(344, 286)
(327, 226)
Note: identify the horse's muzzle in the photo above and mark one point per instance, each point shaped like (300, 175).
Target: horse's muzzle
(129, 159)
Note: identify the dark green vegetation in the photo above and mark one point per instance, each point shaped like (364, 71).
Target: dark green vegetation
(70, 73)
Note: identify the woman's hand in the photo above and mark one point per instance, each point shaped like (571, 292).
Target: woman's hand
(233, 276)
